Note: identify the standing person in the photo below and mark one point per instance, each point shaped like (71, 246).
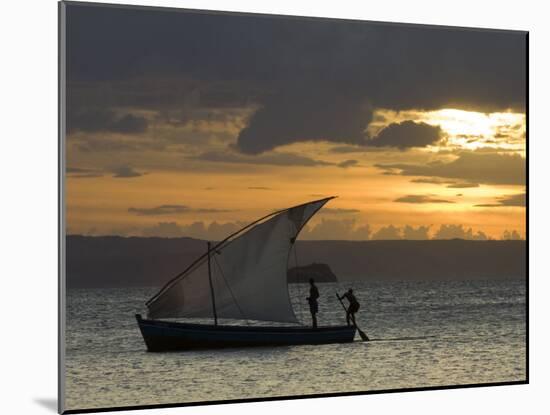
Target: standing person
(353, 306)
(312, 299)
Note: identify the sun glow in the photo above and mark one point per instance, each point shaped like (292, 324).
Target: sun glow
(457, 122)
(468, 130)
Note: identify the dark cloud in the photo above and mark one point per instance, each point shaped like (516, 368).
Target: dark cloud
(311, 78)
(305, 114)
(347, 163)
(469, 166)
(160, 210)
(462, 185)
(104, 120)
(259, 188)
(357, 148)
(276, 159)
(406, 135)
(171, 100)
(420, 199)
(81, 173)
(89, 144)
(518, 200)
(171, 210)
(77, 170)
(129, 124)
(123, 172)
(470, 138)
(348, 149)
(495, 149)
(432, 180)
(339, 211)
(451, 184)
(474, 66)
(85, 176)
(90, 121)
(457, 150)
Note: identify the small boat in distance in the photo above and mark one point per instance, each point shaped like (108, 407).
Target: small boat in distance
(242, 277)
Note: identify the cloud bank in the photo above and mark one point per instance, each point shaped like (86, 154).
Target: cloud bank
(420, 199)
(105, 120)
(125, 172)
(273, 158)
(469, 166)
(171, 210)
(517, 200)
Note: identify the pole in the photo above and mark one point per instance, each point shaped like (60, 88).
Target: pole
(362, 334)
(212, 288)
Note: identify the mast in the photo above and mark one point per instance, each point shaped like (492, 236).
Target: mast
(212, 287)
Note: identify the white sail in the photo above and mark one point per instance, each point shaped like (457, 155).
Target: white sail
(248, 273)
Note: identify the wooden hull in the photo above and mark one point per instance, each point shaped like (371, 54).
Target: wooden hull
(165, 336)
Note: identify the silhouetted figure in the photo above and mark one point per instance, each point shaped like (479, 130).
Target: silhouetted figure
(353, 306)
(312, 299)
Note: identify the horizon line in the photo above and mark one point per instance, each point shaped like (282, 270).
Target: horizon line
(300, 240)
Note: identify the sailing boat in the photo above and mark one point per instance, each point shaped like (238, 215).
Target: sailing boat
(243, 277)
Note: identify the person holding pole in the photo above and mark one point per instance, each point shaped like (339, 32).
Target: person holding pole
(353, 306)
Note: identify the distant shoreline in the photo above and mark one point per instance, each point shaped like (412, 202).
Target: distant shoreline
(113, 261)
(77, 235)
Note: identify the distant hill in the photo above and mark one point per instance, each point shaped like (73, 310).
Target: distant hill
(319, 272)
(113, 261)
(454, 259)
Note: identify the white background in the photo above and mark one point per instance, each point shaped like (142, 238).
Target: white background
(28, 202)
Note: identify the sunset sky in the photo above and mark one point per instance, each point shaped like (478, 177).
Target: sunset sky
(190, 124)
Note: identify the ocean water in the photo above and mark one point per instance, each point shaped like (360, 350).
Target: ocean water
(424, 334)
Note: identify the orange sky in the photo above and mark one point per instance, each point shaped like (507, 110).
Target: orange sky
(205, 122)
(198, 179)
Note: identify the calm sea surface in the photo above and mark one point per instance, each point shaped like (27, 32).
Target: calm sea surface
(426, 334)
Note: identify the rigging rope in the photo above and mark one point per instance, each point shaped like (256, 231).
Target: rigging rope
(230, 291)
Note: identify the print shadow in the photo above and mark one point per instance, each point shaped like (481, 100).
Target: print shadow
(48, 403)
